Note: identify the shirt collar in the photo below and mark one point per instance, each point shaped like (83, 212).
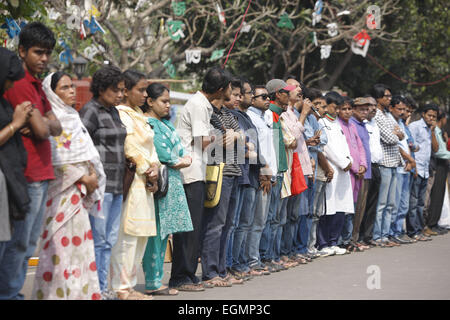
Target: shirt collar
(31, 78)
(257, 111)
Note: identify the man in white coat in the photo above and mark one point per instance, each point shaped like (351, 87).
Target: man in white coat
(339, 195)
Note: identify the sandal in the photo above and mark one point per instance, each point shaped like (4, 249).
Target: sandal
(216, 282)
(233, 280)
(133, 295)
(166, 291)
(191, 287)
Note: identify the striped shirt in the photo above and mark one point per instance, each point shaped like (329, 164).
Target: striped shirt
(108, 134)
(222, 119)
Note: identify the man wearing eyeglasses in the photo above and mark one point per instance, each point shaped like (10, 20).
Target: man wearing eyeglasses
(390, 135)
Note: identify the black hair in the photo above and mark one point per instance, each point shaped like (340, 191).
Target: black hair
(410, 102)
(154, 91)
(215, 79)
(378, 90)
(441, 114)
(430, 106)
(132, 77)
(313, 93)
(244, 80)
(397, 99)
(56, 77)
(104, 78)
(236, 83)
(334, 97)
(36, 34)
(348, 100)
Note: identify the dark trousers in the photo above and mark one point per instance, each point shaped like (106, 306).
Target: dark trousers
(329, 230)
(186, 245)
(368, 220)
(217, 226)
(437, 193)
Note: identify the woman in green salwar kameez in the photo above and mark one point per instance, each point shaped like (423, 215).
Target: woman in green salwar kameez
(172, 212)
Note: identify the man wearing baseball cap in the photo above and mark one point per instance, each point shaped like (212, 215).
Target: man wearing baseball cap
(271, 238)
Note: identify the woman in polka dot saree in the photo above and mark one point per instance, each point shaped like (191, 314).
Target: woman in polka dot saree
(67, 268)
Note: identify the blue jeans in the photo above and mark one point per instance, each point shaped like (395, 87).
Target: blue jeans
(105, 232)
(414, 220)
(386, 203)
(238, 198)
(243, 228)
(268, 236)
(305, 221)
(261, 210)
(402, 205)
(318, 211)
(280, 221)
(14, 265)
(216, 225)
(347, 231)
(293, 216)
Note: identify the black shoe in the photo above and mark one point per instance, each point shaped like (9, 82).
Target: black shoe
(398, 240)
(406, 239)
(439, 231)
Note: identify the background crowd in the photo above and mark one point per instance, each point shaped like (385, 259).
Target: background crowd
(305, 175)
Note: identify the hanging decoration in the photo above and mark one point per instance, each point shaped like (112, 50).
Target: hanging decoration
(325, 51)
(65, 56)
(217, 54)
(314, 38)
(373, 18)
(93, 25)
(285, 22)
(345, 12)
(317, 14)
(332, 29)
(12, 28)
(193, 55)
(245, 28)
(91, 51)
(360, 43)
(175, 30)
(179, 8)
(94, 12)
(170, 68)
(221, 14)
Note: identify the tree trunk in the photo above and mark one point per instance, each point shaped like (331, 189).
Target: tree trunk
(328, 84)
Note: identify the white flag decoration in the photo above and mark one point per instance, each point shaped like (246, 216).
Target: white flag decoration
(245, 27)
(332, 29)
(92, 50)
(345, 12)
(325, 51)
(361, 50)
(193, 56)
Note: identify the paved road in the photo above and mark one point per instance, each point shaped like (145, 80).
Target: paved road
(415, 271)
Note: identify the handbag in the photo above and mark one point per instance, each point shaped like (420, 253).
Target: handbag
(128, 177)
(163, 182)
(214, 175)
(298, 184)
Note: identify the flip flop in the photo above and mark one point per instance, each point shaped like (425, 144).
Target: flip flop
(163, 292)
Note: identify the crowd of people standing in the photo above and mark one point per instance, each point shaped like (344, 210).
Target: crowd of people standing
(305, 175)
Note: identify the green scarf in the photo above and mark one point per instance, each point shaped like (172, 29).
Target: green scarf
(281, 159)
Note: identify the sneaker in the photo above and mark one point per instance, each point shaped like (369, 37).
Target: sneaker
(327, 251)
(405, 239)
(339, 251)
(109, 295)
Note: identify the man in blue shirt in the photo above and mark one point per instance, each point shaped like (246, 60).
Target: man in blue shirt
(423, 132)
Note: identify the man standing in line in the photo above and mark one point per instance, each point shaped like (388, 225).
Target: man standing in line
(390, 134)
(194, 129)
(260, 104)
(36, 43)
(423, 134)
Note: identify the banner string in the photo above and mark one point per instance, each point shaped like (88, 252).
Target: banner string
(404, 80)
(237, 32)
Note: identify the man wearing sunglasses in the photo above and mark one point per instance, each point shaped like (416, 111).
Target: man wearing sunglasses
(271, 239)
(259, 105)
